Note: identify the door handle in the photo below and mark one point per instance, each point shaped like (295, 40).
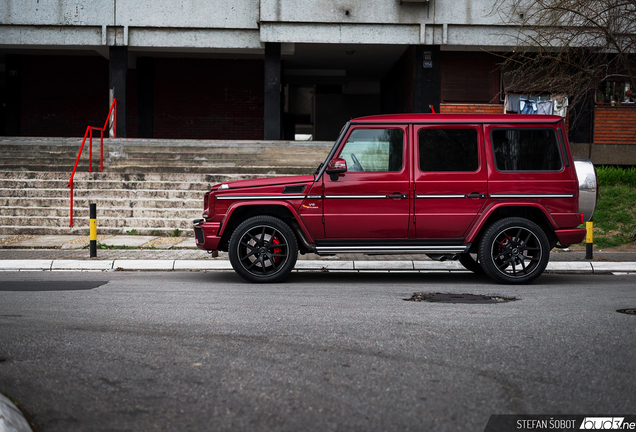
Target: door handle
(475, 195)
(398, 196)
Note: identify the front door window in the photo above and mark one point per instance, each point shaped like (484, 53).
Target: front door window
(374, 150)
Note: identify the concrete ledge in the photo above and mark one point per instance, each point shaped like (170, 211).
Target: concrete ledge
(606, 154)
(82, 265)
(301, 265)
(571, 267)
(383, 265)
(144, 264)
(438, 266)
(327, 265)
(613, 266)
(202, 265)
(19, 265)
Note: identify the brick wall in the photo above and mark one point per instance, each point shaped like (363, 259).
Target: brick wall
(615, 125)
(61, 95)
(208, 98)
(447, 108)
(194, 98)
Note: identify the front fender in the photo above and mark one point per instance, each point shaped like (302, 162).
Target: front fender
(286, 204)
(490, 209)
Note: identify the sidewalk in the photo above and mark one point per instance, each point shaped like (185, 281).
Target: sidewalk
(131, 252)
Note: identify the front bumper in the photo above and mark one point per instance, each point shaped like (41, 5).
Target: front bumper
(206, 235)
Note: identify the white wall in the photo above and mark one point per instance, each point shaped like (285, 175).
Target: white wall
(245, 24)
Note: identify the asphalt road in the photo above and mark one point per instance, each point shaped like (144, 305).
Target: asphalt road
(131, 351)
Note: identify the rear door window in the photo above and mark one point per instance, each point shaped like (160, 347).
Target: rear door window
(448, 150)
(526, 149)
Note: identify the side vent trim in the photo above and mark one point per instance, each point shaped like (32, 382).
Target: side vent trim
(294, 189)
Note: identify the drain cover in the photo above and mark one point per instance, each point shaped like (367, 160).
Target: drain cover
(458, 298)
(631, 311)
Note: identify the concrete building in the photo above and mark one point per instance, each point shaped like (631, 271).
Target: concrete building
(254, 69)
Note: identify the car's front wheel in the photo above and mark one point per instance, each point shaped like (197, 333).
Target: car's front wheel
(514, 251)
(263, 249)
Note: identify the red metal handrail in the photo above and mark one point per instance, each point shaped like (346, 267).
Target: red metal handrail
(89, 132)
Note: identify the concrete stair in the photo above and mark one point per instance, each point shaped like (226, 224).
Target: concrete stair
(151, 186)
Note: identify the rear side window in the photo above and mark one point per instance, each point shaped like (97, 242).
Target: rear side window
(374, 150)
(444, 150)
(526, 150)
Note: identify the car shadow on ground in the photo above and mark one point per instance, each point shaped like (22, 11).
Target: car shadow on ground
(428, 280)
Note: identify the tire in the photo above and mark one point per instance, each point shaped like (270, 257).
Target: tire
(514, 251)
(471, 262)
(263, 249)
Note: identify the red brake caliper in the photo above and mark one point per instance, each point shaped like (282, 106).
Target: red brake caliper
(277, 251)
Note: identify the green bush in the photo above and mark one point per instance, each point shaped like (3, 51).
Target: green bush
(611, 176)
(615, 215)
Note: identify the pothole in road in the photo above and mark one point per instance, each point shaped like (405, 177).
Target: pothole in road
(458, 298)
(631, 311)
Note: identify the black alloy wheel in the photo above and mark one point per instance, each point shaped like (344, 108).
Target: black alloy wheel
(263, 249)
(514, 251)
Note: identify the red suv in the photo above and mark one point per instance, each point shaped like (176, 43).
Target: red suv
(496, 192)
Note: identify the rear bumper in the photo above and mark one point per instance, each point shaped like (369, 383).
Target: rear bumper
(571, 236)
(206, 235)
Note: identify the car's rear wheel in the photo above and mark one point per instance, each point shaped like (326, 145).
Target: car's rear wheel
(471, 262)
(514, 251)
(263, 249)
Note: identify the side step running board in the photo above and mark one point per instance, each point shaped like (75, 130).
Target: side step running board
(393, 249)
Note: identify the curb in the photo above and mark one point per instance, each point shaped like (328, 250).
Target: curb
(301, 265)
(11, 418)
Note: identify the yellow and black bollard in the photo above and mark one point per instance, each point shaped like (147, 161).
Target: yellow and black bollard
(93, 217)
(589, 240)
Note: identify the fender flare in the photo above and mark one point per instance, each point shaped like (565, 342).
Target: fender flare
(490, 209)
(285, 204)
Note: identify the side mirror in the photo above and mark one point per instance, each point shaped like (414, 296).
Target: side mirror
(335, 167)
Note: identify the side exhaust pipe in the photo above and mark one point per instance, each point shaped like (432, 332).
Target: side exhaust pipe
(301, 237)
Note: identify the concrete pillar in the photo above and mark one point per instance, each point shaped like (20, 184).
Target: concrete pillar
(13, 94)
(145, 96)
(273, 89)
(118, 72)
(427, 78)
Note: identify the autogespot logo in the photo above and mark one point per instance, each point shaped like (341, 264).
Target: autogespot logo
(607, 423)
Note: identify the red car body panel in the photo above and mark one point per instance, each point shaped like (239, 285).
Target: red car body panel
(571, 236)
(290, 205)
(356, 206)
(493, 206)
(443, 208)
(409, 204)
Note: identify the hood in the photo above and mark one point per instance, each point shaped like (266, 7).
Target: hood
(267, 181)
